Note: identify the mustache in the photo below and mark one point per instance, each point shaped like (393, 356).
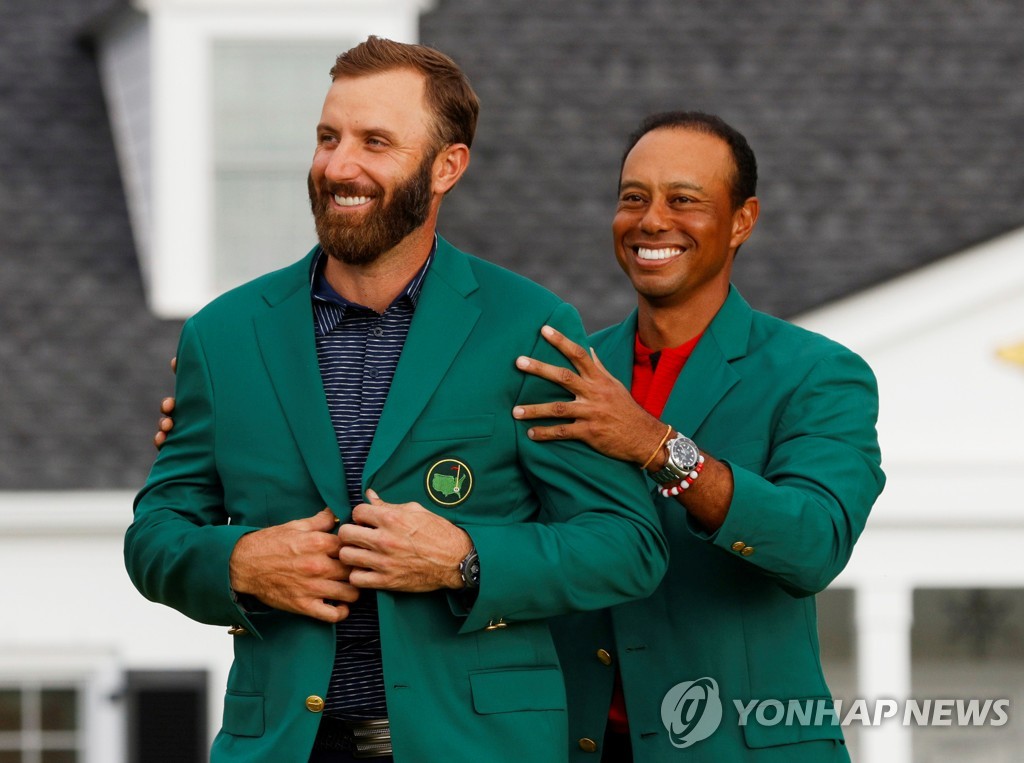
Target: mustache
(343, 189)
(353, 189)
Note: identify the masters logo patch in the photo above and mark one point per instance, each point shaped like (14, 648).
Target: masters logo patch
(449, 482)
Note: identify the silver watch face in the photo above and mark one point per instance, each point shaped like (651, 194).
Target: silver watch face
(683, 453)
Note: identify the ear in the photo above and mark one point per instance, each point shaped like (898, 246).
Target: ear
(449, 164)
(743, 221)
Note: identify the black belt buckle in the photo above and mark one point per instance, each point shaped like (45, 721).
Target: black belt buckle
(361, 739)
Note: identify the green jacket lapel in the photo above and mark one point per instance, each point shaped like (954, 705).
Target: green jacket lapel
(707, 375)
(616, 349)
(443, 321)
(287, 343)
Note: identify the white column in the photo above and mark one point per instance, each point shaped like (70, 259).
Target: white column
(104, 713)
(884, 614)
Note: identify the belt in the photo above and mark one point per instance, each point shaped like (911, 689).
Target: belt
(361, 739)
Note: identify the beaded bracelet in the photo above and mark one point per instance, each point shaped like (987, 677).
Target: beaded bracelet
(669, 490)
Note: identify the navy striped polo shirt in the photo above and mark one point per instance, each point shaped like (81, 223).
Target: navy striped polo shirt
(358, 350)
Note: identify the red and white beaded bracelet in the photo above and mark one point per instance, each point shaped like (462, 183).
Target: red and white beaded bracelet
(675, 489)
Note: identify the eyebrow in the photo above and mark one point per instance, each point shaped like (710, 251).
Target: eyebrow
(679, 185)
(381, 131)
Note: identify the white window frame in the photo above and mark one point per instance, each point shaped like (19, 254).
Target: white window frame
(95, 674)
(180, 273)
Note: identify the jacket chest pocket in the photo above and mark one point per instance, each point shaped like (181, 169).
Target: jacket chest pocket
(464, 467)
(453, 428)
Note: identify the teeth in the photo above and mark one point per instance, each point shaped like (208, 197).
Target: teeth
(350, 201)
(657, 254)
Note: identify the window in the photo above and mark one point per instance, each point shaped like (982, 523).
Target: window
(265, 108)
(40, 723)
(966, 645)
(213, 107)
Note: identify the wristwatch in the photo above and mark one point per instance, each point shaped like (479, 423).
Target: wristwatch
(469, 569)
(683, 457)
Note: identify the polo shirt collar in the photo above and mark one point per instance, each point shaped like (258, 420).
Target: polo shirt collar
(331, 306)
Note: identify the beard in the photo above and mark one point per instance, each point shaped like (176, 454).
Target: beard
(360, 242)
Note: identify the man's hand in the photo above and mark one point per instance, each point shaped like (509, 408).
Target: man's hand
(166, 408)
(402, 547)
(295, 567)
(606, 417)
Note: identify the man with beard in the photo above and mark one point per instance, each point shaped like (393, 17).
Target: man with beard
(412, 624)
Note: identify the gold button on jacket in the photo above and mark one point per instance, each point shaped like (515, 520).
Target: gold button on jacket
(588, 745)
(604, 656)
(315, 704)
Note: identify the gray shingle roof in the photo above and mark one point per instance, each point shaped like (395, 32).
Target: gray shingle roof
(82, 362)
(888, 135)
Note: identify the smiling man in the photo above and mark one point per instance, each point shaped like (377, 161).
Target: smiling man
(759, 442)
(411, 626)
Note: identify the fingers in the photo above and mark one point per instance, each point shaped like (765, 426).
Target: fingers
(323, 521)
(167, 408)
(574, 353)
(577, 355)
(322, 610)
(327, 612)
(338, 591)
(556, 432)
(166, 423)
(360, 559)
(557, 374)
(598, 364)
(377, 512)
(356, 535)
(558, 410)
(370, 578)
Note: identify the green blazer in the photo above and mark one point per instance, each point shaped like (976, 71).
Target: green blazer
(793, 415)
(558, 527)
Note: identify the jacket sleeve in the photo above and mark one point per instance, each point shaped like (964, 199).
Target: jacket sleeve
(801, 517)
(179, 543)
(597, 542)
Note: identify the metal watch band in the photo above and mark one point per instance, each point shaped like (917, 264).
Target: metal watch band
(683, 456)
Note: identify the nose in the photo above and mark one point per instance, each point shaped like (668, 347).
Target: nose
(342, 165)
(654, 219)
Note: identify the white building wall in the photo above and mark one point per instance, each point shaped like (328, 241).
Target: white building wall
(952, 513)
(71, 612)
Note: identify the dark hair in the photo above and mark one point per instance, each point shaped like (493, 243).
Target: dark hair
(744, 181)
(448, 91)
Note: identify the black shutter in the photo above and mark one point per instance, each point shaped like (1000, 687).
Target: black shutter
(167, 716)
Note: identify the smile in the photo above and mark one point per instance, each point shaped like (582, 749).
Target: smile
(657, 254)
(351, 201)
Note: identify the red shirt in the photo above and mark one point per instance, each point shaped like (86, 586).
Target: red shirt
(652, 384)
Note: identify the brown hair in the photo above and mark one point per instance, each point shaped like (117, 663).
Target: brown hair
(448, 91)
